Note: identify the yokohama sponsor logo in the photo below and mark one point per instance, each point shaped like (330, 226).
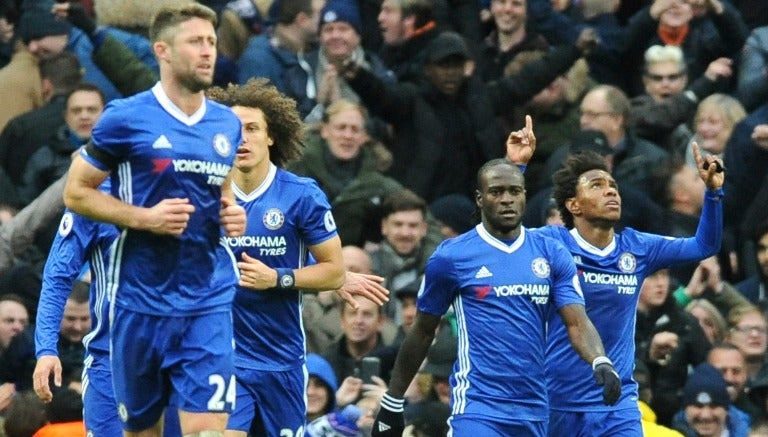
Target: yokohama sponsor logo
(203, 167)
(609, 279)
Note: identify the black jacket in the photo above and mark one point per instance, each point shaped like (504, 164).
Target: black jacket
(667, 380)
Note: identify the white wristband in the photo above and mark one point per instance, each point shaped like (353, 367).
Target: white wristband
(601, 360)
(392, 404)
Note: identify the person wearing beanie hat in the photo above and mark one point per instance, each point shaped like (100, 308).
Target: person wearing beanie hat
(37, 23)
(707, 410)
(341, 11)
(104, 54)
(706, 386)
(340, 46)
(454, 214)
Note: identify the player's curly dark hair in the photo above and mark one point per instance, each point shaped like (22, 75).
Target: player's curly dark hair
(567, 178)
(284, 123)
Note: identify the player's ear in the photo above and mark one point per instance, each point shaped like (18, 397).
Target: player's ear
(572, 205)
(161, 50)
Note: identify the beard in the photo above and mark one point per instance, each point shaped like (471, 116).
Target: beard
(193, 82)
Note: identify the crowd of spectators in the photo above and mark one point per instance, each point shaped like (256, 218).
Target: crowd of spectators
(403, 101)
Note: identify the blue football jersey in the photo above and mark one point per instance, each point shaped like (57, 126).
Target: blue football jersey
(78, 240)
(286, 215)
(163, 153)
(501, 293)
(611, 279)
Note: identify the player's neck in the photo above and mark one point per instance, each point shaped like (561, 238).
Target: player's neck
(598, 236)
(250, 180)
(185, 99)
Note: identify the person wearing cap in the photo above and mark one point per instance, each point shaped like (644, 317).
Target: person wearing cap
(613, 265)
(466, 145)
(465, 107)
(707, 409)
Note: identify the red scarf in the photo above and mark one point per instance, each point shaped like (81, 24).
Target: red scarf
(673, 35)
(424, 29)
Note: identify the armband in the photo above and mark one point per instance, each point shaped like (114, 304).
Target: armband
(285, 278)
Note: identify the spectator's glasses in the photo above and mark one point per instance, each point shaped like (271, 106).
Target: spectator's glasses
(758, 330)
(668, 77)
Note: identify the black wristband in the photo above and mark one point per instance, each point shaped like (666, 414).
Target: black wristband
(285, 278)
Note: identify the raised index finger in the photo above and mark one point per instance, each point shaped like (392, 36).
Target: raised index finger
(697, 155)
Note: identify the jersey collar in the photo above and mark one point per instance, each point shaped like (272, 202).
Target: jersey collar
(247, 197)
(174, 110)
(590, 248)
(495, 242)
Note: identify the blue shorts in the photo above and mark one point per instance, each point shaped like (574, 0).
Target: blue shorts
(182, 361)
(270, 402)
(99, 406)
(624, 423)
(463, 425)
(100, 409)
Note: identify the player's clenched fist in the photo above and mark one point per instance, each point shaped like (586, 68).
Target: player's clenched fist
(232, 218)
(169, 217)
